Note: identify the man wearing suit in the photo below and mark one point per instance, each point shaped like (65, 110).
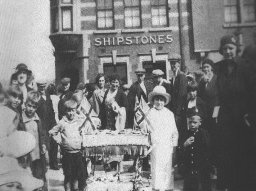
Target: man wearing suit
(140, 88)
(178, 90)
(46, 114)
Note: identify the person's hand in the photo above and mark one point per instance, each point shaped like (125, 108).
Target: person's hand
(189, 141)
(247, 122)
(44, 150)
(216, 119)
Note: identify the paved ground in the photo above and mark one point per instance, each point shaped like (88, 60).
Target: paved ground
(56, 177)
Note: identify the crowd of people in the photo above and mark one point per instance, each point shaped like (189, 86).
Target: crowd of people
(203, 125)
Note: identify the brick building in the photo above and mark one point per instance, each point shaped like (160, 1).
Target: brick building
(92, 36)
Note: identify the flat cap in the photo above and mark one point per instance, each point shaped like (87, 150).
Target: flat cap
(157, 72)
(140, 71)
(174, 56)
(41, 83)
(65, 81)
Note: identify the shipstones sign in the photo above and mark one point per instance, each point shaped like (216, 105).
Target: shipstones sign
(133, 40)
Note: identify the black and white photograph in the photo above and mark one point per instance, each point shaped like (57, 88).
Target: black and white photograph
(127, 95)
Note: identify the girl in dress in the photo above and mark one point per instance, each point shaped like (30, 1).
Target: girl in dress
(164, 137)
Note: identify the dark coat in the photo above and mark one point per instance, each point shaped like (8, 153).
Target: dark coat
(195, 158)
(235, 137)
(200, 109)
(46, 114)
(136, 90)
(209, 93)
(121, 100)
(178, 92)
(234, 99)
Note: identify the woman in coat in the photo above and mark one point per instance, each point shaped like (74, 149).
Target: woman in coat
(234, 134)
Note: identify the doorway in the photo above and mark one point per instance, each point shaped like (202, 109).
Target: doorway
(149, 66)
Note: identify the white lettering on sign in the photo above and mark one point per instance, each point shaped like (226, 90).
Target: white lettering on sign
(133, 40)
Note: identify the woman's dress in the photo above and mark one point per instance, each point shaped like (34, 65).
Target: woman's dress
(164, 136)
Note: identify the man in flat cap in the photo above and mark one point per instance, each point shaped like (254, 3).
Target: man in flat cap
(65, 83)
(158, 77)
(46, 114)
(66, 94)
(140, 88)
(178, 88)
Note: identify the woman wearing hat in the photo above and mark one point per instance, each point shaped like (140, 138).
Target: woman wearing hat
(234, 134)
(164, 136)
(23, 74)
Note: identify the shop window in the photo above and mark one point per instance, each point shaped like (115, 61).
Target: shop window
(159, 12)
(239, 11)
(105, 14)
(61, 15)
(120, 68)
(132, 13)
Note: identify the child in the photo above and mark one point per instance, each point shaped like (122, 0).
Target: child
(67, 135)
(194, 149)
(36, 158)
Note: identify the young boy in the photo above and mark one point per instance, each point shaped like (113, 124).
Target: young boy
(194, 149)
(36, 158)
(67, 135)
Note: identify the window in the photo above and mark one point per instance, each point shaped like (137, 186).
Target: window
(239, 11)
(159, 12)
(120, 68)
(132, 13)
(105, 14)
(66, 13)
(61, 15)
(54, 16)
(249, 10)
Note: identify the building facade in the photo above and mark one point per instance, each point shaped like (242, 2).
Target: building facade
(92, 36)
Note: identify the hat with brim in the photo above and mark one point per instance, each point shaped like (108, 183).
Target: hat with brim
(159, 91)
(17, 144)
(22, 68)
(10, 171)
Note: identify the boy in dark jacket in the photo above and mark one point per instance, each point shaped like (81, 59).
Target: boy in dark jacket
(32, 123)
(194, 149)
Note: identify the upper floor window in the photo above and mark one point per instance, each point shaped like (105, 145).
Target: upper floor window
(132, 13)
(239, 11)
(159, 12)
(105, 14)
(61, 15)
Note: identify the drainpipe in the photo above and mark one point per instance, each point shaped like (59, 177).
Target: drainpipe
(181, 37)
